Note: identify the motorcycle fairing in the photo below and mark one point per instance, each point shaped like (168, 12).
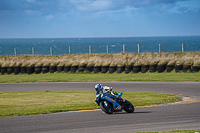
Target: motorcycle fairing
(111, 99)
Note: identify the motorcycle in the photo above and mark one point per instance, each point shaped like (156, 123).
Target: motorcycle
(107, 103)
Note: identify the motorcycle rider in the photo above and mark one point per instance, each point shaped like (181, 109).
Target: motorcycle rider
(106, 89)
(98, 88)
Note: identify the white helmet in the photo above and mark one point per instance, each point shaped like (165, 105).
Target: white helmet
(106, 89)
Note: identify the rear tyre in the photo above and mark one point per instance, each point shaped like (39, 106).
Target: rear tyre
(106, 107)
(128, 107)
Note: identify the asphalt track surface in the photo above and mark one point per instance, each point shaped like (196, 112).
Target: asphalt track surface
(161, 118)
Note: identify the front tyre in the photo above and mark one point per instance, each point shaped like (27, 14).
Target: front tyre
(106, 107)
(128, 107)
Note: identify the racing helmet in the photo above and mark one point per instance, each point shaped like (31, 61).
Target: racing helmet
(107, 89)
(98, 87)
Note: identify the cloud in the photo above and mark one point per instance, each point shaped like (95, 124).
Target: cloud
(31, 1)
(49, 17)
(186, 6)
(89, 5)
(100, 6)
(46, 7)
(32, 12)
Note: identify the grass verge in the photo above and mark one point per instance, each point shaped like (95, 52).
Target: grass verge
(186, 58)
(176, 131)
(44, 102)
(100, 77)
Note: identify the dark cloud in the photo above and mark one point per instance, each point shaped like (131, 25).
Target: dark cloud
(46, 7)
(40, 7)
(113, 5)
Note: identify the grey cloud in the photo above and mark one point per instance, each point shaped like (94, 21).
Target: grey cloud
(45, 7)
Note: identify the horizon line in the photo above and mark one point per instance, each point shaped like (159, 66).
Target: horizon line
(93, 37)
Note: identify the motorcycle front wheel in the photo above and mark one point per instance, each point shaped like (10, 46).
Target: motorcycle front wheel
(128, 107)
(106, 107)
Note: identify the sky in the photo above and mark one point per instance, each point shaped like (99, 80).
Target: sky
(98, 18)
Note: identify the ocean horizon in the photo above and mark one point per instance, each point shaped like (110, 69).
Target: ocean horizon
(60, 46)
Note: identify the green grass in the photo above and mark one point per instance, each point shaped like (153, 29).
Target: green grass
(175, 131)
(99, 77)
(44, 102)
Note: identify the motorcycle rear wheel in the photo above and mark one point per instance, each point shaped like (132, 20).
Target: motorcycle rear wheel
(128, 107)
(106, 107)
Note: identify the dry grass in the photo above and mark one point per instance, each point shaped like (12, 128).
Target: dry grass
(186, 58)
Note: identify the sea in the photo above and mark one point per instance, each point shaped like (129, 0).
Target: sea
(60, 46)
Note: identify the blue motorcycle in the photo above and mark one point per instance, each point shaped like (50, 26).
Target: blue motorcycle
(108, 103)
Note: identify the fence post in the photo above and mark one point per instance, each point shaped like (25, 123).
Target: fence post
(89, 49)
(138, 48)
(107, 48)
(69, 50)
(15, 51)
(182, 47)
(159, 49)
(51, 50)
(32, 50)
(123, 48)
